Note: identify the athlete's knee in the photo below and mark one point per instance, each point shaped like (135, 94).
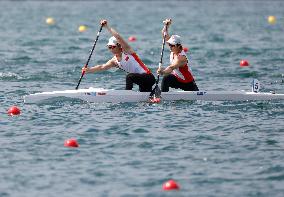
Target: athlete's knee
(167, 78)
(129, 81)
(128, 86)
(145, 89)
(129, 76)
(168, 81)
(164, 86)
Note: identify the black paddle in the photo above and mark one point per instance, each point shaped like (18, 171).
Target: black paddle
(86, 65)
(156, 92)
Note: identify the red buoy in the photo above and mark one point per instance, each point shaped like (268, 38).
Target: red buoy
(185, 49)
(244, 63)
(14, 111)
(132, 38)
(170, 185)
(71, 143)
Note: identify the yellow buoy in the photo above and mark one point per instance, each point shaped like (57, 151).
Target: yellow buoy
(271, 20)
(50, 21)
(82, 28)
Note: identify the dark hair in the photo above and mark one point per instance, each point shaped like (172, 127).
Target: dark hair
(179, 46)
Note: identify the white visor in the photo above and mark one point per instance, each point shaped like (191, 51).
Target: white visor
(174, 40)
(112, 41)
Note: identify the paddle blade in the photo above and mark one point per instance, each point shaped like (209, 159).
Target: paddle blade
(157, 92)
(155, 96)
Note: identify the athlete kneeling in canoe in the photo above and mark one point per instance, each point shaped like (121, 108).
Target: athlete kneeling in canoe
(125, 59)
(177, 74)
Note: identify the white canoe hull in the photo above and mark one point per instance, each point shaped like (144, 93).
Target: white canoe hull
(100, 95)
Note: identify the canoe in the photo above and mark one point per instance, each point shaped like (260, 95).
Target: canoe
(100, 95)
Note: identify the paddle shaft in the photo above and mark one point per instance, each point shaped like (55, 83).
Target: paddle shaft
(160, 63)
(86, 65)
(162, 54)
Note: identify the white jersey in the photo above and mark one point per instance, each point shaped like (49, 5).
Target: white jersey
(131, 63)
(183, 74)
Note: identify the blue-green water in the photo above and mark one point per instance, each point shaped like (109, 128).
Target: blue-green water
(209, 148)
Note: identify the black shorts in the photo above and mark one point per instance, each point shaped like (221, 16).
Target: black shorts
(171, 81)
(144, 81)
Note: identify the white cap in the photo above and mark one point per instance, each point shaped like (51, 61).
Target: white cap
(174, 39)
(112, 41)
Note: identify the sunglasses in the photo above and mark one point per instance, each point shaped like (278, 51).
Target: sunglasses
(170, 45)
(111, 47)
